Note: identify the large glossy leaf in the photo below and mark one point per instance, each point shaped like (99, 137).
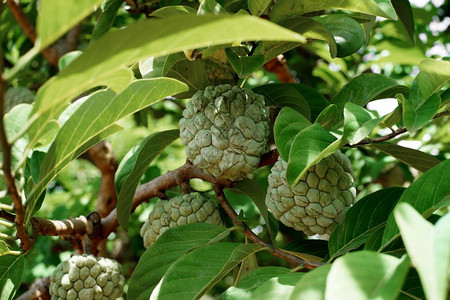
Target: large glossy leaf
(346, 31)
(414, 158)
(428, 247)
(159, 66)
(362, 219)
(169, 247)
(192, 73)
(428, 193)
(11, 270)
(257, 194)
(329, 117)
(316, 101)
(417, 110)
(257, 7)
(56, 17)
(245, 287)
(244, 65)
(279, 287)
(100, 63)
(318, 248)
(280, 95)
(284, 9)
(287, 125)
(367, 87)
(193, 274)
(405, 15)
(93, 118)
(133, 166)
(312, 285)
(432, 76)
(366, 275)
(106, 19)
(310, 146)
(171, 11)
(358, 123)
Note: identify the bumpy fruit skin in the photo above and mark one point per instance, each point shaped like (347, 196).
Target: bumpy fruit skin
(87, 277)
(317, 203)
(225, 130)
(218, 72)
(181, 210)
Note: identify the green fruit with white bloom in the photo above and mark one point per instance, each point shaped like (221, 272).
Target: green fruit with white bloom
(87, 277)
(225, 130)
(317, 203)
(181, 210)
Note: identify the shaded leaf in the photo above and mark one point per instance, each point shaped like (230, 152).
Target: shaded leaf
(258, 7)
(428, 247)
(281, 95)
(312, 285)
(287, 125)
(279, 287)
(428, 193)
(11, 270)
(244, 65)
(366, 275)
(310, 146)
(329, 116)
(313, 247)
(405, 15)
(93, 120)
(134, 165)
(106, 19)
(432, 76)
(191, 73)
(55, 18)
(364, 218)
(169, 247)
(99, 65)
(284, 9)
(316, 101)
(172, 11)
(193, 274)
(358, 123)
(413, 158)
(346, 31)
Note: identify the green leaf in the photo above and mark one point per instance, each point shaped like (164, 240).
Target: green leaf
(244, 65)
(169, 247)
(312, 285)
(245, 287)
(328, 116)
(257, 194)
(432, 76)
(362, 219)
(211, 7)
(279, 287)
(159, 66)
(358, 123)
(192, 73)
(94, 118)
(172, 11)
(193, 274)
(68, 58)
(428, 193)
(133, 166)
(418, 111)
(11, 270)
(366, 275)
(317, 248)
(346, 31)
(284, 9)
(310, 146)
(316, 101)
(106, 19)
(287, 125)
(428, 247)
(414, 158)
(405, 15)
(311, 29)
(368, 87)
(4, 248)
(258, 7)
(99, 65)
(56, 17)
(14, 121)
(281, 95)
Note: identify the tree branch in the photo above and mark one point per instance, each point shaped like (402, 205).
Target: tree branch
(279, 67)
(39, 290)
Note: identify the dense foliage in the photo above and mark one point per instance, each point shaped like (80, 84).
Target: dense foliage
(93, 94)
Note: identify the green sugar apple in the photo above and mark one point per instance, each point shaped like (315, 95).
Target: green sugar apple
(225, 130)
(87, 277)
(180, 210)
(317, 203)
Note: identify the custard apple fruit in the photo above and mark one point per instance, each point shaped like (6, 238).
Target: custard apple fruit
(87, 277)
(317, 203)
(218, 72)
(225, 130)
(180, 210)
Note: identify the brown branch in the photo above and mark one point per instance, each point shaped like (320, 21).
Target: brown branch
(293, 260)
(39, 290)
(280, 68)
